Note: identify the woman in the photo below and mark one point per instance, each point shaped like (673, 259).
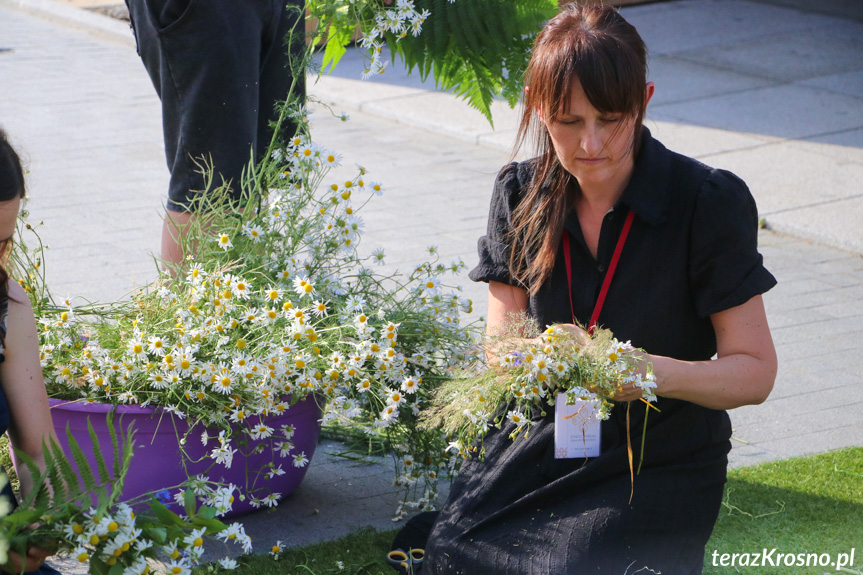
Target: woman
(23, 402)
(687, 285)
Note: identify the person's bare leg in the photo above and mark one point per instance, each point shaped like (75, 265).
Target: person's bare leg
(174, 226)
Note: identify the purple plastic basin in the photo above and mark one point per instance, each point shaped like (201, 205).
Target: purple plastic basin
(157, 462)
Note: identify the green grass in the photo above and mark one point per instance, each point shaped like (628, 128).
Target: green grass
(361, 553)
(800, 505)
(6, 461)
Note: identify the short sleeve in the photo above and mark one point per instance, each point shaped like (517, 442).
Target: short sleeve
(494, 246)
(725, 268)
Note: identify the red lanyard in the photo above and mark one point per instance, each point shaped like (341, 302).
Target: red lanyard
(594, 317)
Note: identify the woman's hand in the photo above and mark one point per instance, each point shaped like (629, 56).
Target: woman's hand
(581, 336)
(34, 558)
(628, 393)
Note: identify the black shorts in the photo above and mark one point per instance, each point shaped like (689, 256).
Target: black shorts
(219, 68)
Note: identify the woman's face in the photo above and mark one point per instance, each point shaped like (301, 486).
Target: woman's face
(8, 220)
(595, 148)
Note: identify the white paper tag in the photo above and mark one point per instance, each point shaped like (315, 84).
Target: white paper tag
(576, 429)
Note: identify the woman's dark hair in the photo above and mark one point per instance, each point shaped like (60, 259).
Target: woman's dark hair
(597, 47)
(11, 187)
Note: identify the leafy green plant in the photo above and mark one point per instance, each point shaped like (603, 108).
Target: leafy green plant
(478, 49)
(76, 509)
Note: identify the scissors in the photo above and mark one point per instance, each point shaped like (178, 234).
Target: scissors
(406, 563)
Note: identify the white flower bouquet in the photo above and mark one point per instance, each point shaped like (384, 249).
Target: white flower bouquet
(276, 304)
(528, 376)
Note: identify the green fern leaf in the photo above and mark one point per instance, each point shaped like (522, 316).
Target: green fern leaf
(70, 478)
(88, 482)
(339, 38)
(58, 487)
(128, 449)
(104, 476)
(476, 48)
(37, 476)
(115, 446)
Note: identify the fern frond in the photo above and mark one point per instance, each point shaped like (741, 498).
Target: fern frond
(88, 481)
(58, 486)
(66, 471)
(37, 477)
(476, 48)
(104, 476)
(128, 449)
(115, 446)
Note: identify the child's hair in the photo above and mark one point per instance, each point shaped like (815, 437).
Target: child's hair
(11, 187)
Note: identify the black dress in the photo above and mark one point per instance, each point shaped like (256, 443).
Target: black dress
(691, 252)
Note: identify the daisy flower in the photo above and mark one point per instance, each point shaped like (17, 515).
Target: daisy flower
(228, 563)
(276, 549)
(378, 256)
(389, 414)
(224, 241)
(303, 287)
(179, 567)
(254, 232)
(516, 417)
(319, 309)
(275, 471)
(241, 288)
(223, 455)
(274, 294)
(376, 188)
(410, 385)
(81, 554)
(156, 345)
(195, 538)
(395, 398)
(137, 349)
(261, 431)
(284, 448)
(331, 159)
(300, 460)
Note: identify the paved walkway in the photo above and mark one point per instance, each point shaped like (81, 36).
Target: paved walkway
(774, 93)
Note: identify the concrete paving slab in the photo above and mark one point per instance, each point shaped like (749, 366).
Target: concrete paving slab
(784, 177)
(849, 83)
(850, 9)
(784, 111)
(678, 79)
(673, 27)
(827, 48)
(837, 223)
(844, 146)
(698, 141)
(809, 442)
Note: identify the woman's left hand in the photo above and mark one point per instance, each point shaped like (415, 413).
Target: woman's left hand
(628, 393)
